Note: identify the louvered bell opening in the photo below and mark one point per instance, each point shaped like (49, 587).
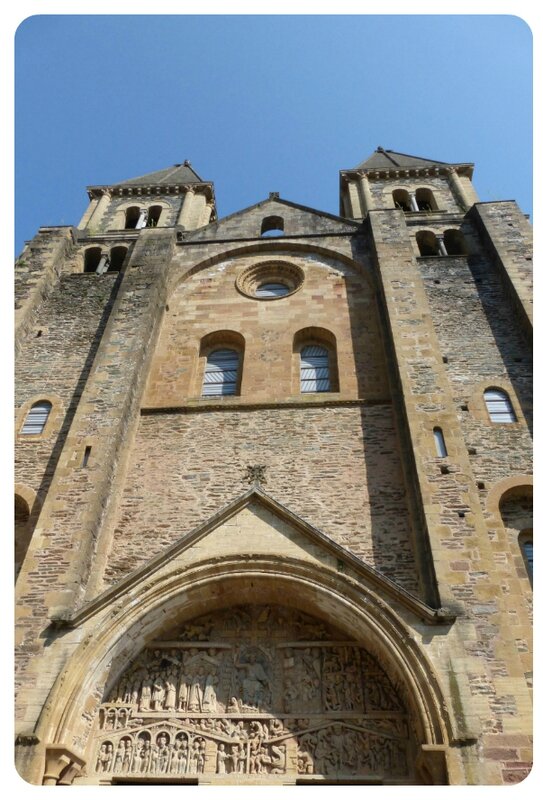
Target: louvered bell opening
(314, 369)
(221, 373)
(36, 419)
(272, 290)
(499, 407)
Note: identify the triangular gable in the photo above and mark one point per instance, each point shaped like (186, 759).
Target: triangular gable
(272, 528)
(297, 220)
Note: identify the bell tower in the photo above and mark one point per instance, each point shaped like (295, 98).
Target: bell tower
(415, 185)
(171, 197)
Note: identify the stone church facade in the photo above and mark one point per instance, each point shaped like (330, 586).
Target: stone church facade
(273, 486)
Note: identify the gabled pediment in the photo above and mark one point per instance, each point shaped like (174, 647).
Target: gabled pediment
(255, 525)
(295, 220)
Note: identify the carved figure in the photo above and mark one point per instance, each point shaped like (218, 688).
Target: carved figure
(119, 756)
(222, 758)
(158, 695)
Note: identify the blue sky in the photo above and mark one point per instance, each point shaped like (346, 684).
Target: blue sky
(264, 103)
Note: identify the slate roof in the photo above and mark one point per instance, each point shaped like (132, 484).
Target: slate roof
(170, 176)
(386, 159)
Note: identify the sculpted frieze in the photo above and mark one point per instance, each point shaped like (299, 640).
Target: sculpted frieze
(259, 690)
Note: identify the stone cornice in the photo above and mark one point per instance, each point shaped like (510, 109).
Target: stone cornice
(407, 172)
(95, 192)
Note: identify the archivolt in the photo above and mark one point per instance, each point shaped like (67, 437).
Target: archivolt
(182, 595)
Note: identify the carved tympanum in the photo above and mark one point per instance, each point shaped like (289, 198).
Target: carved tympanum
(253, 690)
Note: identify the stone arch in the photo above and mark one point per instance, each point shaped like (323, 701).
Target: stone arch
(184, 595)
(274, 249)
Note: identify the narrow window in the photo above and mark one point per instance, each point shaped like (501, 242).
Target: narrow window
(527, 549)
(117, 257)
(314, 369)
(272, 226)
(272, 290)
(154, 216)
(36, 418)
(86, 456)
(132, 217)
(454, 243)
(92, 259)
(428, 244)
(439, 439)
(499, 406)
(425, 200)
(221, 373)
(401, 199)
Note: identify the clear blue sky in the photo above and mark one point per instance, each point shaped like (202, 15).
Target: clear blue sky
(264, 103)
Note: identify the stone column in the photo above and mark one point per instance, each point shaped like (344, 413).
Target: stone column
(207, 213)
(99, 211)
(413, 202)
(367, 199)
(441, 246)
(354, 199)
(458, 189)
(88, 213)
(184, 216)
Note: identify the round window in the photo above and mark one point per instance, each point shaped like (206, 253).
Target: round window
(270, 280)
(272, 290)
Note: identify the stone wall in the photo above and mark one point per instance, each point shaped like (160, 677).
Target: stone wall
(336, 467)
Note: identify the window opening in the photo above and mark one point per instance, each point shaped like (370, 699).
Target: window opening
(527, 548)
(154, 216)
(272, 290)
(92, 259)
(36, 418)
(221, 373)
(272, 226)
(499, 406)
(132, 217)
(439, 439)
(314, 369)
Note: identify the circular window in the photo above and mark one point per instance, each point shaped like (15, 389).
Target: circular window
(270, 280)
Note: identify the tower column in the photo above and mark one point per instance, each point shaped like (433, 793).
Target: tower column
(100, 210)
(354, 199)
(367, 199)
(186, 208)
(467, 198)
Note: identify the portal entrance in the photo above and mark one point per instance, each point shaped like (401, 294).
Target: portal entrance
(253, 694)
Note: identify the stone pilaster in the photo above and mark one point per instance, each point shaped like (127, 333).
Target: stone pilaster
(508, 235)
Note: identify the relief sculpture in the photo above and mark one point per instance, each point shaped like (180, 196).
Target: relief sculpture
(254, 690)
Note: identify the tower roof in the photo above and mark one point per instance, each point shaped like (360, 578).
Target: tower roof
(177, 173)
(385, 159)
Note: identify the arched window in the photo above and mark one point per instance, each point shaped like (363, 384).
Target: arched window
(117, 257)
(454, 242)
(92, 259)
(428, 244)
(221, 373)
(526, 544)
(401, 199)
(314, 369)
(154, 216)
(425, 200)
(439, 440)
(499, 406)
(22, 531)
(36, 419)
(272, 226)
(272, 290)
(132, 217)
